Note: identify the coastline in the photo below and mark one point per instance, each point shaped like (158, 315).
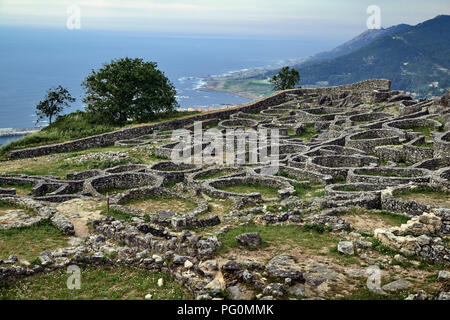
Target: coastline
(249, 83)
(10, 132)
(216, 85)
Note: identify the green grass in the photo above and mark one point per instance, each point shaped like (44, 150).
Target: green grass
(114, 190)
(119, 215)
(6, 205)
(392, 218)
(28, 243)
(284, 174)
(308, 133)
(266, 192)
(425, 130)
(402, 163)
(74, 126)
(215, 175)
(343, 259)
(97, 283)
(424, 145)
(160, 203)
(439, 119)
(277, 235)
(256, 87)
(385, 174)
(363, 293)
(62, 164)
(350, 189)
(21, 187)
(168, 133)
(425, 191)
(381, 248)
(314, 190)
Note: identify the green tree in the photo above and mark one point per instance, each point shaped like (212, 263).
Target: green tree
(54, 103)
(128, 89)
(285, 79)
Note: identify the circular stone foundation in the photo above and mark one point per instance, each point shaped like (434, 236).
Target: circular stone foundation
(298, 161)
(159, 202)
(173, 171)
(334, 150)
(223, 188)
(277, 112)
(368, 117)
(354, 188)
(416, 125)
(442, 178)
(119, 182)
(127, 168)
(237, 124)
(338, 166)
(214, 173)
(433, 164)
(368, 140)
(19, 212)
(442, 145)
(130, 143)
(282, 130)
(388, 176)
(415, 199)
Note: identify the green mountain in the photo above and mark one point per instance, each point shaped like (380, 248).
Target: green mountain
(415, 59)
(356, 43)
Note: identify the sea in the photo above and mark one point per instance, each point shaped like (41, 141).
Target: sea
(34, 59)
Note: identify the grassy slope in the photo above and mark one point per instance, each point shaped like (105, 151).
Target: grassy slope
(98, 283)
(28, 243)
(74, 126)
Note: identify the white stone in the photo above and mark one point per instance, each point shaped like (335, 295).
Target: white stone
(444, 275)
(400, 284)
(214, 285)
(346, 247)
(160, 282)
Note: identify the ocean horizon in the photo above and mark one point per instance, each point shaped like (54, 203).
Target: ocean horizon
(33, 60)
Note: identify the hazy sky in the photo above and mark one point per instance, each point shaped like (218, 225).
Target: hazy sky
(249, 17)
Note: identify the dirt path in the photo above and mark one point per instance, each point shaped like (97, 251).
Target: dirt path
(79, 212)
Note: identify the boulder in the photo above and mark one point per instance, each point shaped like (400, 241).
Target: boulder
(400, 284)
(444, 275)
(238, 292)
(297, 290)
(231, 266)
(400, 97)
(346, 247)
(214, 286)
(445, 99)
(274, 289)
(363, 244)
(420, 295)
(252, 239)
(284, 266)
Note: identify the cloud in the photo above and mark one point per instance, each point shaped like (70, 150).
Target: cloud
(223, 16)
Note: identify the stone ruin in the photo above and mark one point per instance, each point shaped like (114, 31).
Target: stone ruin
(364, 143)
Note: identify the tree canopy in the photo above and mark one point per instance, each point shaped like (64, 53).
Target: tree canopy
(54, 103)
(128, 90)
(285, 79)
